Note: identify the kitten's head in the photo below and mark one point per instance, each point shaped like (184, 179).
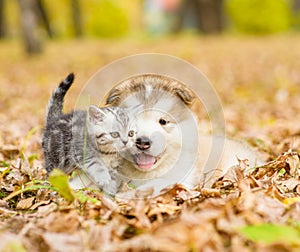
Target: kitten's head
(113, 128)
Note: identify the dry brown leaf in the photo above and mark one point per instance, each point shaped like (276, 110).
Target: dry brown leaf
(207, 192)
(61, 222)
(15, 176)
(141, 208)
(99, 236)
(173, 190)
(293, 211)
(4, 203)
(4, 211)
(188, 195)
(111, 205)
(32, 238)
(168, 208)
(230, 222)
(25, 204)
(271, 209)
(275, 193)
(9, 150)
(63, 242)
(288, 185)
(298, 189)
(38, 204)
(294, 164)
(45, 210)
(2, 158)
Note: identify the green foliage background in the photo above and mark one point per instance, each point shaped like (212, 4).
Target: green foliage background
(107, 19)
(259, 16)
(115, 18)
(101, 18)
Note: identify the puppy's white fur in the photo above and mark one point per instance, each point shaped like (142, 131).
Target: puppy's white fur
(181, 154)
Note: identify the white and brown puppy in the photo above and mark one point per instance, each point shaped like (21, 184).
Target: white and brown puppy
(169, 148)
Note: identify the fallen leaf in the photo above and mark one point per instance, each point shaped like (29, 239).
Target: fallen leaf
(290, 201)
(269, 233)
(294, 164)
(64, 242)
(288, 185)
(188, 195)
(38, 204)
(45, 210)
(59, 180)
(9, 150)
(60, 222)
(24, 204)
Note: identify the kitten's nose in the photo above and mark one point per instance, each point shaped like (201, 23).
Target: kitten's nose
(124, 142)
(143, 143)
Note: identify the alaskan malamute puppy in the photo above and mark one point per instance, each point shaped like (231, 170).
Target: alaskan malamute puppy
(169, 148)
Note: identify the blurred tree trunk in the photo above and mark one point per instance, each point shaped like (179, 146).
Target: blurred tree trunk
(296, 5)
(183, 13)
(2, 20)
(44, 17)
(208, 15)
(76, 16)
(211, 15)
(29, 26)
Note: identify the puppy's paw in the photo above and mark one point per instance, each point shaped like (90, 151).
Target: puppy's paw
(156, 185)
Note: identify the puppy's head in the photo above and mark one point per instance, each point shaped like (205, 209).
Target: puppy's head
(165, 104)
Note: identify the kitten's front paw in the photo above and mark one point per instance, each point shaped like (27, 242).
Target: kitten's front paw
(111, 187)
(101, 178)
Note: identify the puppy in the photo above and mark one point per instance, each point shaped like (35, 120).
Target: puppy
(169, 147)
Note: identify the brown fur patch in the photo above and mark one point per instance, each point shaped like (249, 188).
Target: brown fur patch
(157, 82)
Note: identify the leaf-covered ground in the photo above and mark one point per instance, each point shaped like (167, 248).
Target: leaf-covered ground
(258, 80)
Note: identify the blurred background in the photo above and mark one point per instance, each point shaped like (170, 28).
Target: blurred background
(36, 21)
(248, 49)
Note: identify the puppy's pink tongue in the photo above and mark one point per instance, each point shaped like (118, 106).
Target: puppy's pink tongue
(145, 161)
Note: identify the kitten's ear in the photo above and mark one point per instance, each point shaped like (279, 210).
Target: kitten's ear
(96, 114)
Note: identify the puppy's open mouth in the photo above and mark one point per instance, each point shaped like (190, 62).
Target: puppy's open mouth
(144, 161)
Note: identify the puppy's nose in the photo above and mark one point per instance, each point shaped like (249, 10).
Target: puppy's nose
(143, 143)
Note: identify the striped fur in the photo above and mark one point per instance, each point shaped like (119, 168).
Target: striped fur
(87, 140)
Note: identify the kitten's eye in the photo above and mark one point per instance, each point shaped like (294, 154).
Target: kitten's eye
(163, 122)
(100, 135)
(115, 134)
(131, 133)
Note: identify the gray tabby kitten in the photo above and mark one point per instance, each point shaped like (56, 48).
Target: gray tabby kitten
(89, 140)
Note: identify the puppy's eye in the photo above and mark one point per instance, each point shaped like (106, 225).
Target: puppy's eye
(131, 133)
(163, 122)
(115, 134)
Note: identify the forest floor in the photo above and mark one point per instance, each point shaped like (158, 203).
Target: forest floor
(258, 81)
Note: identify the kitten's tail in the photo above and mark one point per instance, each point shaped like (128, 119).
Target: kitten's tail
(56, 101)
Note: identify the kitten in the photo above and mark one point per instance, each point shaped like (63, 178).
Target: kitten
(92, 140)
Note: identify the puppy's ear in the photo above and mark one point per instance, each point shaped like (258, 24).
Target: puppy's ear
(185, 94)
(113, 97)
